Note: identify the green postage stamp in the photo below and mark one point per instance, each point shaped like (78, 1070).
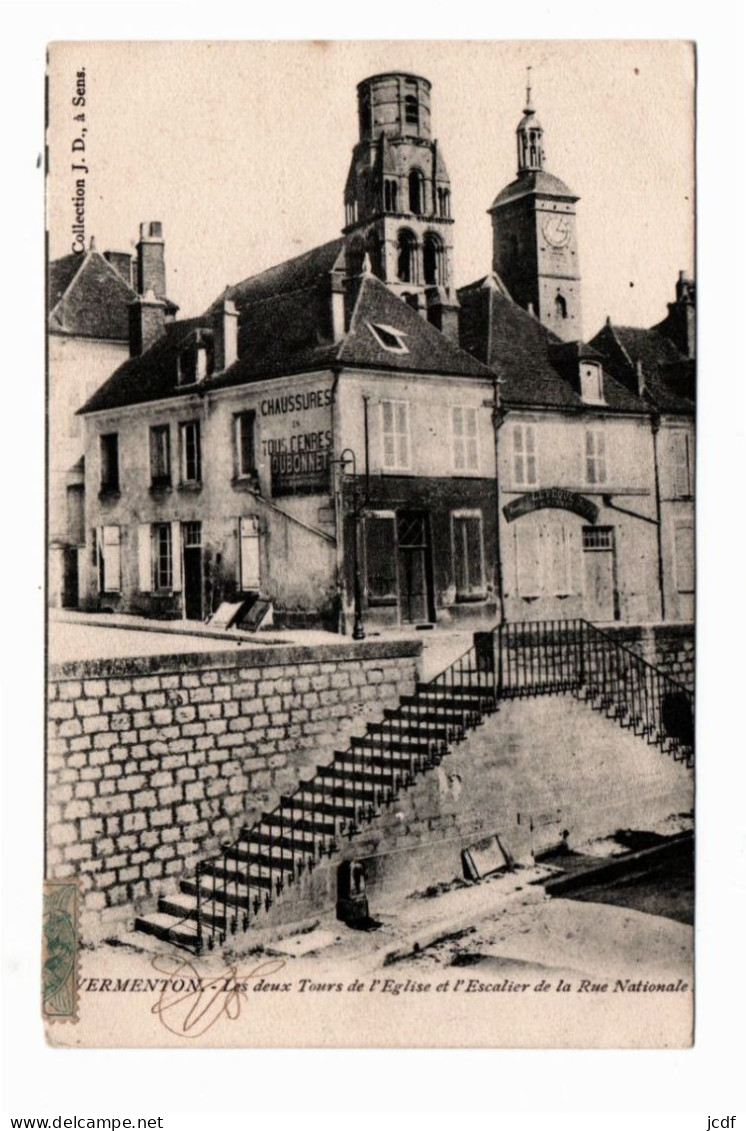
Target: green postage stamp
(60, 951)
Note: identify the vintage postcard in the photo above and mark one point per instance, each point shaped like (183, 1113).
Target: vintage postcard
(371, 498)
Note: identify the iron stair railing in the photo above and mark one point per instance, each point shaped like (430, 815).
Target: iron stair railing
(241, 882)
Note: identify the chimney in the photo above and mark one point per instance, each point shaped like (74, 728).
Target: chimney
(121, 261)
(151, 261)
(147, 322)
(339, 324)
(640, 377)
(681, 322)
(442, 313)
(225, 335)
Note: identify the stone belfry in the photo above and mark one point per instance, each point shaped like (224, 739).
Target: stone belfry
(398, 198)
(535, 247)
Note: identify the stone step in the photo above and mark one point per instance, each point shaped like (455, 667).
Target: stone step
(169, 929)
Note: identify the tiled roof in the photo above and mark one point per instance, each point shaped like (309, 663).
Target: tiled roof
(428, 350)
(535, 181)
(295, 274)
(668, 375)
(531, 360)
(148, 377)
(88, 298)
(285, 326)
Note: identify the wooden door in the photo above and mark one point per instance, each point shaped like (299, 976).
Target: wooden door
(599, 570)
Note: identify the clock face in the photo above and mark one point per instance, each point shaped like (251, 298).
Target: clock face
(556, 230)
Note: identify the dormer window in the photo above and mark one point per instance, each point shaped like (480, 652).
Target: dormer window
(389, 337)
(591, 382)
(195, 360)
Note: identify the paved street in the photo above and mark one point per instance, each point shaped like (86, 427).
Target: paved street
(91, 636)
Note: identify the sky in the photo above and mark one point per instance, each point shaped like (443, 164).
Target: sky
(242, 151)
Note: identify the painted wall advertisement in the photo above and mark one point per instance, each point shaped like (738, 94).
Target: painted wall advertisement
(296, 441)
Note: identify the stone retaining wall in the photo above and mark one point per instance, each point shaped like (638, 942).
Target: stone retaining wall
(152, 762)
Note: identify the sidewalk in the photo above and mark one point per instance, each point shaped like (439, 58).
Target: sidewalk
(95, 636)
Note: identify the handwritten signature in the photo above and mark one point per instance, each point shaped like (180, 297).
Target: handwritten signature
(190, 1004)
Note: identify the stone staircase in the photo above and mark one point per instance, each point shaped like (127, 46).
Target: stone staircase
(239, 885)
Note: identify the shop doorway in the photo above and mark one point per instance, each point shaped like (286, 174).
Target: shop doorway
(415, 567)
(193, 583)
(599, 559)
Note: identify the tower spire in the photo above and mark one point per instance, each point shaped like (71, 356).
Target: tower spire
(529, 135)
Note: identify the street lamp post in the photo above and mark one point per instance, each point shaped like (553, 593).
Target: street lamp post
(358, 627)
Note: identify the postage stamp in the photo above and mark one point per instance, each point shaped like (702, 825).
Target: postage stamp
(60, 929)
(371, 496)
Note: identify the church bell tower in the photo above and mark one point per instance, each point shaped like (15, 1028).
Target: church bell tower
(398, 198)
(535, 250)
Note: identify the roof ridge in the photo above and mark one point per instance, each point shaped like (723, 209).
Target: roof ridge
(284, 263)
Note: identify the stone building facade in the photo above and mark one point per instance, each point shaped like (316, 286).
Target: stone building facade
(89, 295)
(347, 433)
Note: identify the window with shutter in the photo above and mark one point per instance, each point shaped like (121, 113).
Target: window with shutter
(110, 560)
(560, 558)
(468, 556)
(465, 447)
(682, 473)
(395, 430)
(525, 466)
(528, 569)
(249, 576)
(380, 559)
(595, 456)
(145, 557)
(684, 556)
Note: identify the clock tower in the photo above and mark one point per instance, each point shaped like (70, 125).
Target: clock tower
(535, 249)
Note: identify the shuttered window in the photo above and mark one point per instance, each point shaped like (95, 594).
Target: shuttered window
(559, 543)
(248, 566)
(595, 456)
(465, 446)
(109, 559)
(528, 568)
(380, 559)
(682, 464)
(468, 556)
(684, 556)
(525, 471)
(395, 425)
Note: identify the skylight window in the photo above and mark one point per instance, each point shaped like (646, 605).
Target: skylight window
(389, 337)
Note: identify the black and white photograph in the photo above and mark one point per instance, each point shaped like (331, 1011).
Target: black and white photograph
(371, 491)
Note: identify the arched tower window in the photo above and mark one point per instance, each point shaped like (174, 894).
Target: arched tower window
(444, 202)
(432, 260)
(390, 196)
(406, 257)
(560, 307)
(374, 251)
(416, 192)
(351, 211)
(411, 110)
